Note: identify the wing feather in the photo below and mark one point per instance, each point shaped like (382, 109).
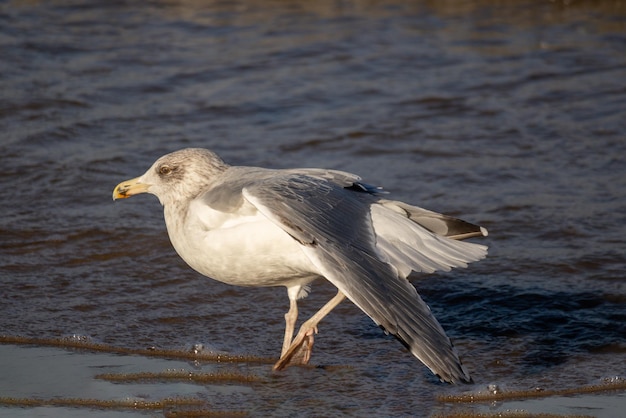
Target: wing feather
(335, 227)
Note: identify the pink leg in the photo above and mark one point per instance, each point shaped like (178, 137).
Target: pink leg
(299, 352)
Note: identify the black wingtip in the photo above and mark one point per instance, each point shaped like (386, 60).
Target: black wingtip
(357, 186)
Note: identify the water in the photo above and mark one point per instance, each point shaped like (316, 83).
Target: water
(511, 115)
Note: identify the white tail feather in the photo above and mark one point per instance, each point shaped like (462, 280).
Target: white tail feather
(408, 246)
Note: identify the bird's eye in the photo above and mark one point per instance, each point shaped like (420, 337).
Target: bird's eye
(165, 170)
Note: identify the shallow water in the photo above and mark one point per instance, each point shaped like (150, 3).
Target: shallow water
(508, 114)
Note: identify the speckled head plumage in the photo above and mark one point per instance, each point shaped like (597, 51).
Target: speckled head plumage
(176, 177)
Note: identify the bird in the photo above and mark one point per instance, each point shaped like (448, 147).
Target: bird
(259, 227)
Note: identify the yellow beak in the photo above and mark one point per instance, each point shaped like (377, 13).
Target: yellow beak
(129, 188)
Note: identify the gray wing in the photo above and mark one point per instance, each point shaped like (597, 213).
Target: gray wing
(334, 226)
(226, 195)
(343, 178)
(437, 223)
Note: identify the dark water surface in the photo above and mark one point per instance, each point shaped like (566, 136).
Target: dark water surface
(508, 114)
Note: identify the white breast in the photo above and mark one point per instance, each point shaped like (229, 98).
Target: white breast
(242, 248)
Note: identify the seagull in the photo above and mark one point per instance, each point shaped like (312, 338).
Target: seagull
(256, 227)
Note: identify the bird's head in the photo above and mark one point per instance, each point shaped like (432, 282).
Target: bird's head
(178, 176)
